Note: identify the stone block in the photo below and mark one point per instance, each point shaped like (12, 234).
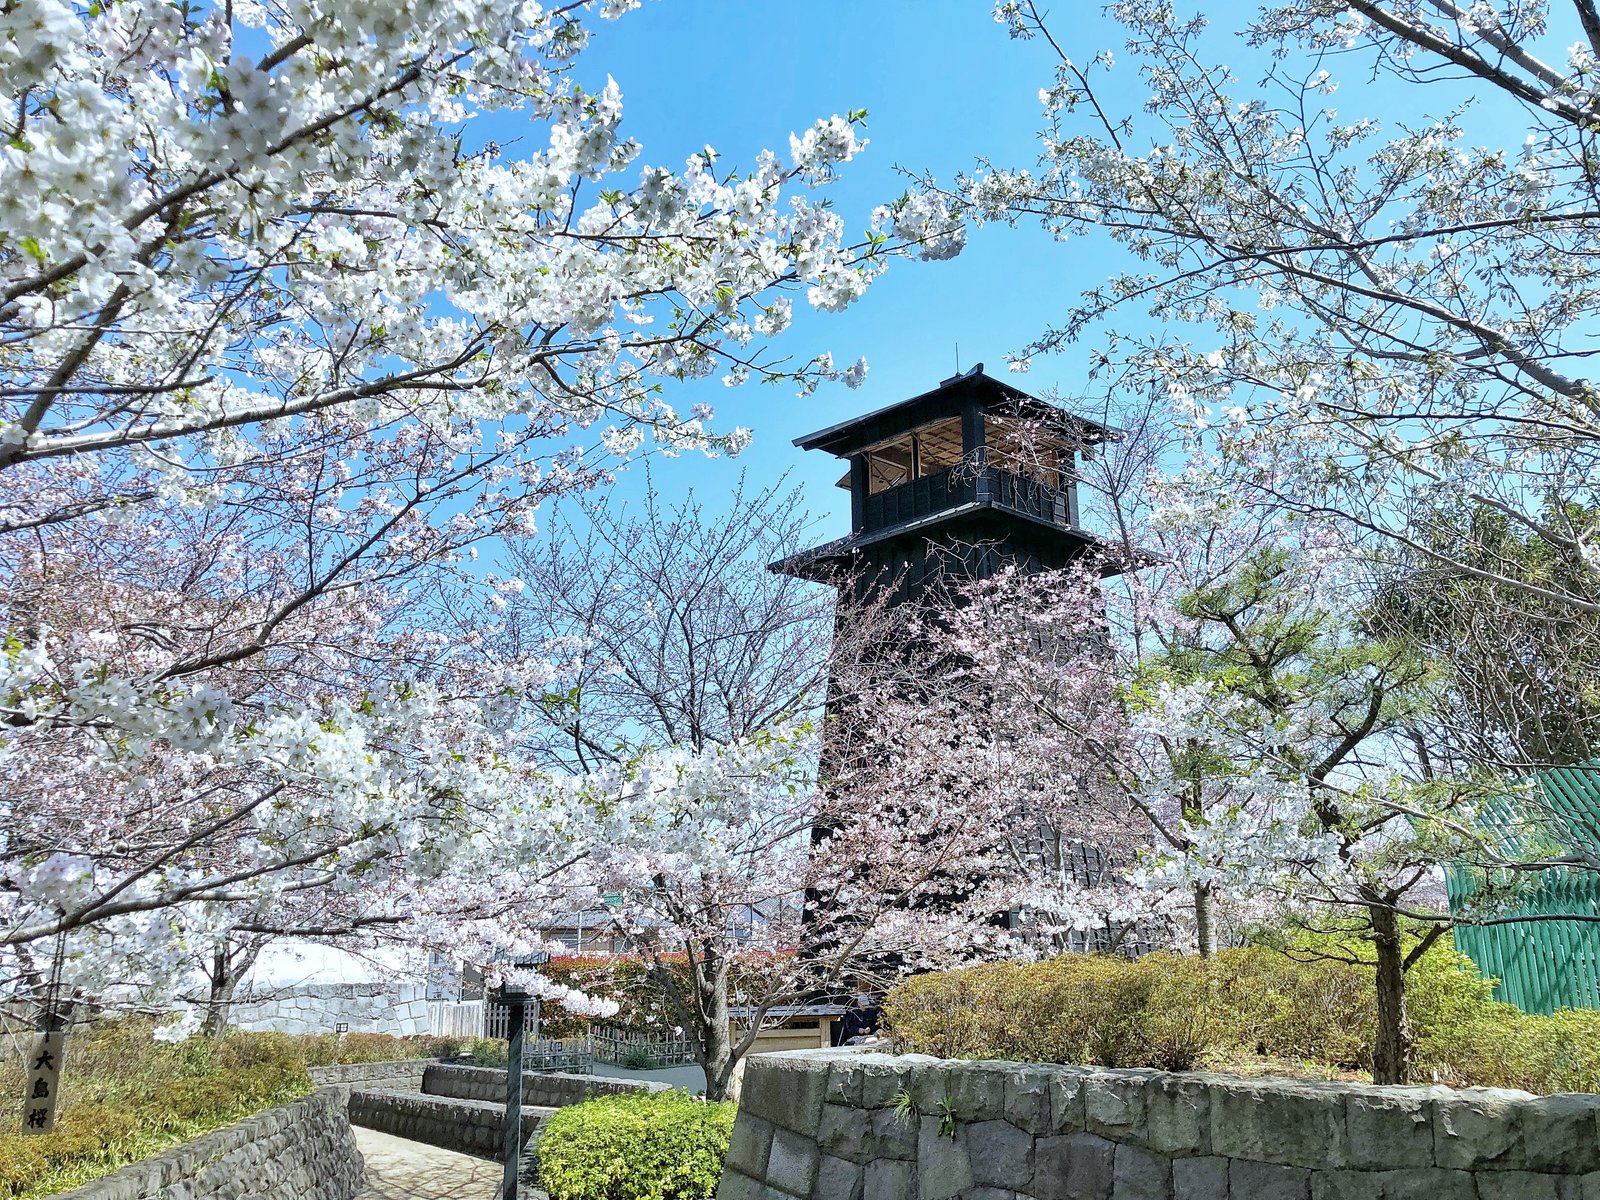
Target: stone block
(1517, 1185)
(1000, 1153)
(1478, 1127)
(1346, 1185)
(792, 1162)
(888, 1179)
(991, 1193)
(1562, 1133)
(893, 1135)
(1114, 1105)
(1588, 1186)
(943, 1168)
(1140, 1174)
(789, 1092)
(1389, 1128)
(735, 1186)
(930, 1090)
(978, 1090)
(1066, 1100)
(1178, 1116)
(1287, 1124)
(883, 1079)
(1425, 1184)
(1200, 1178)
(843, 1132)
(844, 1084)
(838, 1179)
(749, 1145)
(1073, 1166)
(1028, 1098)
(1268, 1181)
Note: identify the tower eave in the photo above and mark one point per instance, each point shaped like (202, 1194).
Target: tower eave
(829, 562)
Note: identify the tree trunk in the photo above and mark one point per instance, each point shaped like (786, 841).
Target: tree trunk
(1205, 920)
(1391, 1052)
(717, 1059)
(229, 965)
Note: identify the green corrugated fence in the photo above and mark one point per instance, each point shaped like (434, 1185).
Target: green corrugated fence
(1544, 965)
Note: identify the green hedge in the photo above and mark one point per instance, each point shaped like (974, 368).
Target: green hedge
(126, 1097)
(1251, 1009)
(651, 1146)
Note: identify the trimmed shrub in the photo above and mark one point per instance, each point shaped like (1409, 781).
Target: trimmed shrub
(487, 1052)
(1313, 1016)
(127, 1096)
(1077, 1008)
(652, 1146)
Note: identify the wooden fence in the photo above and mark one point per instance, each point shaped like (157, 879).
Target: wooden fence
(456, 1018)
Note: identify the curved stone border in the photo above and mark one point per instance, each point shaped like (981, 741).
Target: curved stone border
(467, 1126)
(402, 1073)
(300, 1151)
(843, 1125)
(550, 1089)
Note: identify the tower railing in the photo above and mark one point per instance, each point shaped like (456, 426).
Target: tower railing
(967, 483)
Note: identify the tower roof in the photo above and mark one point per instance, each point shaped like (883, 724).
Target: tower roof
(946, 400)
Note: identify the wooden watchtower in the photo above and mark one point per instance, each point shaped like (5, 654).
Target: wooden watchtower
(955, 485)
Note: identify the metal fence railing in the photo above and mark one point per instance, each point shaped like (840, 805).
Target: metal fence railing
(573, 1055)
(627, 1048)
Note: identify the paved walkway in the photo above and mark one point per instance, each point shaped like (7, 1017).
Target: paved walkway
(400, 1169)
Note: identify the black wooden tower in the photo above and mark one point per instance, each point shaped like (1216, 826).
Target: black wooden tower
(954, 485)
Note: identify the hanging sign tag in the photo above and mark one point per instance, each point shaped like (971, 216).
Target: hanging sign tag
(44, 1082)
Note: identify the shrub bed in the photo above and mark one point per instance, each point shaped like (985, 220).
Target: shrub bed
(126, 1096)
(1252, 1009)
(658, 1146)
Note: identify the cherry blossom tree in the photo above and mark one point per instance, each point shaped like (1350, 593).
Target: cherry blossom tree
(749, 884)
(678, 632)
(1369, 303)
(282, 344)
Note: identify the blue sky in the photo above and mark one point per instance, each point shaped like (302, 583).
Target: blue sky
(942, 84)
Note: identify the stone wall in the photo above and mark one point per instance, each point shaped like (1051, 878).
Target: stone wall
(398, 1009)
(463, 1108)
(842, 1125)
(469, 1126)
(550, 1089)
(404, 1074)
(301, 1151)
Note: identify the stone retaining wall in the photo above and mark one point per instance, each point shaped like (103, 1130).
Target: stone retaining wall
(398, 1009)
(551, 1089)
(842, 1125)
(463, 1108)
(404, 1074)
(301, 1151)
(468, 1126)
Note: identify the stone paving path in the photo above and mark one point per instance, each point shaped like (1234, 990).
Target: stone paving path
(400, 1169)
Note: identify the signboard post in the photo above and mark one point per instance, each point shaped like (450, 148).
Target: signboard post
(44, 1080)
(516, 1001)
